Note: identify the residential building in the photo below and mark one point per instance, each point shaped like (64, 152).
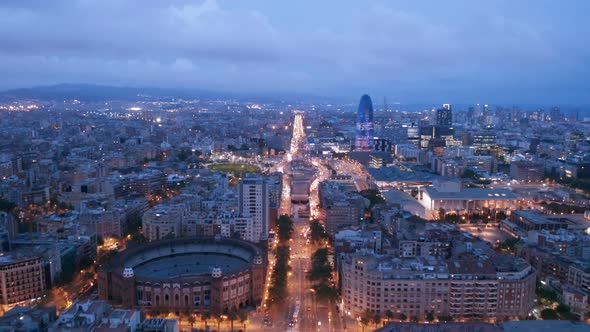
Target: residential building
(253, 200)
(21, 279)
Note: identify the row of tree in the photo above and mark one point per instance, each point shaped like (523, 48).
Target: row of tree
(284, 228)
(233, 314)
(368, 317)
(562, 311)
(473, 218)
(277, 292)
(317, 232)
(321, 275)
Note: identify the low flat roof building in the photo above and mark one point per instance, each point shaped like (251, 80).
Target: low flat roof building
(535, 221)
(450, 197)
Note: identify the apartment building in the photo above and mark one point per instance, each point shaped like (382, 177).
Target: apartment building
(21, 279)
(465, 287)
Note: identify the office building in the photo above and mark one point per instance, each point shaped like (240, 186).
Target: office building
(444, 116)
(364, 124)
(528, 171)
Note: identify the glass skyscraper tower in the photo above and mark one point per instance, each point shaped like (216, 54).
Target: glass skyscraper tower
(364, 124)
(444, 116)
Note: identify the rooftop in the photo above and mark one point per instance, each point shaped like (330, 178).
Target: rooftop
(545, 326)
(473, 193)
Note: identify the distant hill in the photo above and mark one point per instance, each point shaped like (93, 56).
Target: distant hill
(91, 92)
(97, 93)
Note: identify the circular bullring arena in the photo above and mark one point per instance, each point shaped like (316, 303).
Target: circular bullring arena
(195, 274)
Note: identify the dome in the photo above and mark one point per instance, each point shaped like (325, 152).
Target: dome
(128, 272)
(216, 272)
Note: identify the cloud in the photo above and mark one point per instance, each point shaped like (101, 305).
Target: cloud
(330, 48)
(120, 29)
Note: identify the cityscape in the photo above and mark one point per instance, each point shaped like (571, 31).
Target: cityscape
(134, 202)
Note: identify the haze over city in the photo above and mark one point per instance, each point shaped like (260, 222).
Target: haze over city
(302, 166)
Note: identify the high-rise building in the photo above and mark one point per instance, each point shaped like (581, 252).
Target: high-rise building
(556, 114)
(254, 203)
(444, 116)
(488, 116)
(364, 124)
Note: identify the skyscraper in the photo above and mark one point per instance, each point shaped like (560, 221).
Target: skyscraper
(364, 124)
(444, 116)
(254, 203)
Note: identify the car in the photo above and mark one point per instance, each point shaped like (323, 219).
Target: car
(291, 323)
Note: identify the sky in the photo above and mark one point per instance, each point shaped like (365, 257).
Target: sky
(458, 51)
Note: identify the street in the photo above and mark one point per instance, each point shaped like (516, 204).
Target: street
(301, 311)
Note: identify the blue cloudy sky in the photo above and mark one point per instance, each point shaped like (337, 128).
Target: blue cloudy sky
(411, 51)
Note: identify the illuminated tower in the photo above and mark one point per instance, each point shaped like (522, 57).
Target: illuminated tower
(364, 124)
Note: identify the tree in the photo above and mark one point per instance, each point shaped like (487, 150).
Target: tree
(285, 228)
(192, 320)
(320, 256)
(445, 318)
(180, 317)
(414, 319)
(205, 317)
(184, 154)
(243, 316)
(546, 295)
(324, 292)
(6, 206)
(366, 318)
(430, 316)
(320, 267)
(508, 244)
(85, 261)
(232, 315)
(390, 315)
(278, 288)
(377, 319)
(402, 317)
(218, 318)
(317, 231)
(549, 314)
(374, 197)
(562, 309)
(470, 174)
(565, 312)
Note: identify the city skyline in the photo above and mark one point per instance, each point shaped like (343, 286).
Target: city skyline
(303, 166)
(459, 51)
